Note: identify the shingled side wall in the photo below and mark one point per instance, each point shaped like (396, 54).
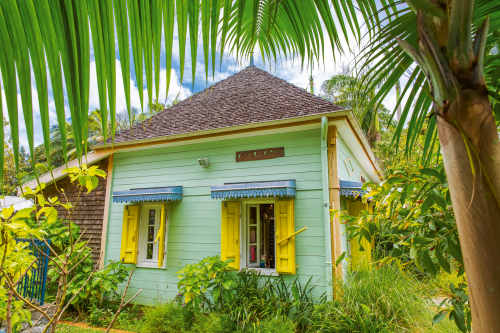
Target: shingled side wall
(89, 209)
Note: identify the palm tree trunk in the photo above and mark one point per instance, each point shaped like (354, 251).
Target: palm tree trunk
(469, 140)
(476, 209)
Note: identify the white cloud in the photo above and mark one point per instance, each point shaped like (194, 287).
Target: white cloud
(135, 101)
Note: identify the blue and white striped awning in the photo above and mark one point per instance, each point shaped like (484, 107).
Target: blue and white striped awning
(351, 189)
(170, 193)
(283, 188)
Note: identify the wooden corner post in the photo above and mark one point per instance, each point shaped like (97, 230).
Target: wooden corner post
(105, 215)
(334, 198)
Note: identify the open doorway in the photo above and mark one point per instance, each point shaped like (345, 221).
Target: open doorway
(261, 237)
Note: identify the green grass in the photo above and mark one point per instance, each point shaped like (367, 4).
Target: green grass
(67, 328)
(383, 300)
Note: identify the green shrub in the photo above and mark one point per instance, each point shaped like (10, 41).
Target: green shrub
(382, 300)
(258, 298)
(167, 317)
(130, 319)
(213, 322)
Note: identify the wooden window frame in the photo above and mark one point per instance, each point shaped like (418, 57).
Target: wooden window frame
(244, 236)
(142, 262)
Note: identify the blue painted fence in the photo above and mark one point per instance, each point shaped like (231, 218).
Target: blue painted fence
(33, 287)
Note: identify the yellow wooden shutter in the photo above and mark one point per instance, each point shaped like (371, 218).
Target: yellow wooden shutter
(130, 229)
(230, 236)
(359, 259)
(285, 225)
(161, 235)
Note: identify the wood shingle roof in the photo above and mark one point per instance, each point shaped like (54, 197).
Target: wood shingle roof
(249, 96)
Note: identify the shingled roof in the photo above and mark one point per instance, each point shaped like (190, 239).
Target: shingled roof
(249, 96)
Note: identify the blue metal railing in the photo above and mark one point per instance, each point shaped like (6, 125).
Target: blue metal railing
(32, 287)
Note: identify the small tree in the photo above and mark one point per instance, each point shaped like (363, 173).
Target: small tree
(17, 260)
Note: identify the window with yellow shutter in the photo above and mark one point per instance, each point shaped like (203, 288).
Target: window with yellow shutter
(250, 231)
(258, 227)
(144, 234)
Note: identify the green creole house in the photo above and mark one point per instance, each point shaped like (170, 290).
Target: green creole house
(235, 170)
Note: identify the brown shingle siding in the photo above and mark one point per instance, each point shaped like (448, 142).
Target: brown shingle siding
(89, 209)
(249, 96)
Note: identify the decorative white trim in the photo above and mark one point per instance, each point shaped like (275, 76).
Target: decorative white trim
(349, 167)
(282, 188)
(170, 193)
(264, 271)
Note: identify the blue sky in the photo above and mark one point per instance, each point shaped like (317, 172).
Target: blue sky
(288, 70)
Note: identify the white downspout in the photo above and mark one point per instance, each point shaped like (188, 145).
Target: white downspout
(326, 208)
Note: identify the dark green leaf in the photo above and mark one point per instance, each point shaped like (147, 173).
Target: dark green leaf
(366, 235)
(428, 263)
(442, 261)
(439, 199)
(429, 172)
(438, 317)
(339, 259)
(428, 202)
(456, 252)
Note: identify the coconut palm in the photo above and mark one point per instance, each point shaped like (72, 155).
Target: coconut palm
(350, 92)
(444, 49)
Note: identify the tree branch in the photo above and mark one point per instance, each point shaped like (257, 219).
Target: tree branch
(12, 287)
(42, 252)
(39, 318)
(121, 303)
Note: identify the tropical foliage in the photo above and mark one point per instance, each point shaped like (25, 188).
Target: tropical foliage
(39, 32)
(349, 91)
(414, 224)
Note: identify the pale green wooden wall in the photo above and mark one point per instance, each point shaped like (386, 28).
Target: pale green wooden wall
(195, 222)
(344, 153)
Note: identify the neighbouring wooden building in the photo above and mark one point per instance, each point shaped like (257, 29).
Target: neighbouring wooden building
(234, 170)
(89, 207)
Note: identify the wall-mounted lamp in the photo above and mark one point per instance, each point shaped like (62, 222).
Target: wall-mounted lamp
(204, 162)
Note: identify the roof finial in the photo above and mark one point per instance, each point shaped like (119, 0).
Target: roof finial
(251, 60)
(311, 79)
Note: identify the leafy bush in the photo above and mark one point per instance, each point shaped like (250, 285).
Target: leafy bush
(214, 322)
(167, 317)
(259, 297)
(247, 298)
(196, 280)
(413, 218)
(381, 300)
(129, 318)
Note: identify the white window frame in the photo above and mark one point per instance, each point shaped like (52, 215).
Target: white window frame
(143, 234)
(244, 208)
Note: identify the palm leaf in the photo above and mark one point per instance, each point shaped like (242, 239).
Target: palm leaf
(55, 34)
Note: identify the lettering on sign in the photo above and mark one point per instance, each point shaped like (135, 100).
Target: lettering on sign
(260, 154)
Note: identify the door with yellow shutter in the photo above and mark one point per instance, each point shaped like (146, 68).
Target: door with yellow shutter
(230, 235)
(285, 226)
(360, 256)
(130, 229)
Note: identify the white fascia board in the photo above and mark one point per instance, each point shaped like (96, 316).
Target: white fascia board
(57, 174)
